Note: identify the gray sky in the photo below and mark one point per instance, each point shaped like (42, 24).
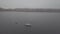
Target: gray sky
(30, 3)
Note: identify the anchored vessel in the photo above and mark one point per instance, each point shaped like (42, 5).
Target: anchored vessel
(27, 27)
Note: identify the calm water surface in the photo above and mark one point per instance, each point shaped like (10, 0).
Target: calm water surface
(42, 22)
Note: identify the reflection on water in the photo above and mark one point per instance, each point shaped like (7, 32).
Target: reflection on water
(28, 27)
(42, 22)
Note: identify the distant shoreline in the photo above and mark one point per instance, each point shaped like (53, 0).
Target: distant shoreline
(23, 11)
(29, 10)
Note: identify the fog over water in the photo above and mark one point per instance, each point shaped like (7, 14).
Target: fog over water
(42, 22)
(30, 4)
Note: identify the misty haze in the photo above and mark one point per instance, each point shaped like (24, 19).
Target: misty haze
(29, 16)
